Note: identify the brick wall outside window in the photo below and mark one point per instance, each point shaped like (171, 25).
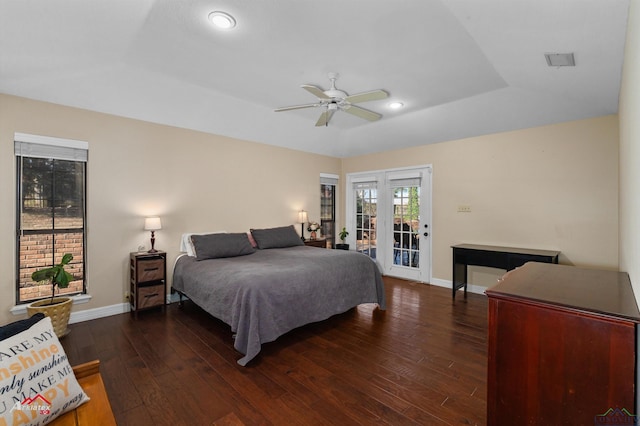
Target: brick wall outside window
(35, 254)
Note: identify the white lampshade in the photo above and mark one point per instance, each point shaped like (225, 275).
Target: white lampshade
(152, 224)
(302, 217)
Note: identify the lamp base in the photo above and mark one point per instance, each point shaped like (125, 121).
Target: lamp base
(153, 242)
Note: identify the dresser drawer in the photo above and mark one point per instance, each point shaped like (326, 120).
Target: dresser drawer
(150, 296)
(150, 270)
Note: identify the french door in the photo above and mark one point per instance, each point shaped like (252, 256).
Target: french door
(390, 211)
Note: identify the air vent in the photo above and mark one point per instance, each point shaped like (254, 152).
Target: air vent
(560, 59)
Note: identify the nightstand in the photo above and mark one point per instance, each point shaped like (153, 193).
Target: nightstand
(148, 283)
(320, 242)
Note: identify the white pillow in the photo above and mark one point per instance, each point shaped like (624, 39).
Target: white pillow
(36, 379)
(187, 246)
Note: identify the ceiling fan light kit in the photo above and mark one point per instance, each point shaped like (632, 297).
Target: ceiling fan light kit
(333, 100)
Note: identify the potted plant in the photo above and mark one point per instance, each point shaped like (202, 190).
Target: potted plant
(56, 308)
(343, 236)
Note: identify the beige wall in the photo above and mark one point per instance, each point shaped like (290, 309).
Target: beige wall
(194, 181)
(552, 187)
(630, 153)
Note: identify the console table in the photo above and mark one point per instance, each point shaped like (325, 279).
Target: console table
(494, 257)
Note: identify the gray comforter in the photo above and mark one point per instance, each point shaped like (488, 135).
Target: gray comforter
(270, 292)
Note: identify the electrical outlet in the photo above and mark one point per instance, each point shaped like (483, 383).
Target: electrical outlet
(464, 209)
(126, 295)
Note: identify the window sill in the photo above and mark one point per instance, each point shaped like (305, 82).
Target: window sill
(77, 300)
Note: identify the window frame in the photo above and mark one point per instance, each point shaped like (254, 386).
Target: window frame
(328, 180)
(366, 193)
(56, 149)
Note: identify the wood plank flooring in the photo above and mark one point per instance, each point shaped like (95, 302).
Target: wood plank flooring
(422, 361)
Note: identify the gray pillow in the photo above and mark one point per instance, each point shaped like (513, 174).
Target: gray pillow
(213, 246)
(284, 236)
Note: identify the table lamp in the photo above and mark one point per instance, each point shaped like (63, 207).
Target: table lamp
(152, 224)
(302, 219)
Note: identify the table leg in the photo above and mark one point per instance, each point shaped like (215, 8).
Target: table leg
(459, 278)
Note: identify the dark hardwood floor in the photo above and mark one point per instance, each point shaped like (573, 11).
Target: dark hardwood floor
(422, 361)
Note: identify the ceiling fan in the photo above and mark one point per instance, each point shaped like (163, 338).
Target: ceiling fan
(333, 100)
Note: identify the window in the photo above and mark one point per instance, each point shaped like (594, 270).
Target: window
(328, 208)
(51, 211)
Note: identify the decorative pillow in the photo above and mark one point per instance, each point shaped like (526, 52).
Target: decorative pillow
(187, 246)
(284, 236)
(214, 246)
(36, 381)
(19, 326)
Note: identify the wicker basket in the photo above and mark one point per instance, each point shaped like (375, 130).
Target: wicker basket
(59, 312)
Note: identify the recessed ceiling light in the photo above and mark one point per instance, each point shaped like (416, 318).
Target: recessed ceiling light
(396, 105)
(222, 20)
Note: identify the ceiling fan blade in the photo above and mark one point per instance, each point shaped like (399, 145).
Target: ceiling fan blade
(289, 108)
(373, 95)
(363, 113)
(325, 117)
(315, 91)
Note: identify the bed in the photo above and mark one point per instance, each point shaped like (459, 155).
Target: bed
(273, 288)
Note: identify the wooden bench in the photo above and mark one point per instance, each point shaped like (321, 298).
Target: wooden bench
(98, 410)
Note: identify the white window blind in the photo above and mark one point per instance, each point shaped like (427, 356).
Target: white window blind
(365, 185)
(36, 146)
(404, 183)
(404, 179)
(327, 179)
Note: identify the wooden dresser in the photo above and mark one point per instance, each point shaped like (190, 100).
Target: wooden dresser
(562, 346)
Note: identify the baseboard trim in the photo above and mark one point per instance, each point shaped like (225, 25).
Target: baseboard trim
(107, 311)
(477, 289)
(174, 298)
(101, 312)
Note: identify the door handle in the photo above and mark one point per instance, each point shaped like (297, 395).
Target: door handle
(426, 234)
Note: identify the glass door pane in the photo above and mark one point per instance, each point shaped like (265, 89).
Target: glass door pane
(406, 226)
(328, 213)
(366, 216)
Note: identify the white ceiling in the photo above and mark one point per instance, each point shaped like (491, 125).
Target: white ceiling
(462, 67)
